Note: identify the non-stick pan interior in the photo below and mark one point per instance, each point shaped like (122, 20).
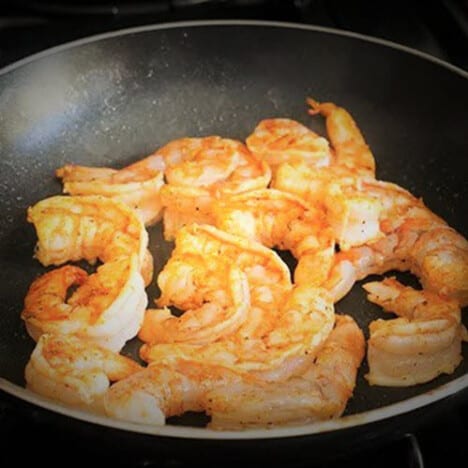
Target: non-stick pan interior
(111, 101)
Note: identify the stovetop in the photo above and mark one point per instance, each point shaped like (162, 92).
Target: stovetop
(439, 28)
(29, 434)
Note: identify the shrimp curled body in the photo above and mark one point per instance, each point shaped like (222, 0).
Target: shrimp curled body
(414, 239)
(423, 342)
(202, 170)
(282, 321)
(209, 322)
(108, 305)
(278, 219)
(284, 140)
(318, 393)
(136, 185)
(236, 399)
(75, 371)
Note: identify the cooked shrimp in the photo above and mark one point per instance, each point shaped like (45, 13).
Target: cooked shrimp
(281, 322)
(201, 170)
(85, 227)
(414, 239)
(278, 219)
(214, 162)
(107, 307)
(162, 390)
(184, 206)
(198, 264)
(238, 399)
(379, 226)
(298, 328)
(319, 393)
(283, 140)
(201, 162)
(350, 148)
(211, 321)
(422, 343)
(352, 215)
(75, 371)
(136, 185)
(195, 272)
(88, 228)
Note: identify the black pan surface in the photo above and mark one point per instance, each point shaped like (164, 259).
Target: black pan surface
(113, 99)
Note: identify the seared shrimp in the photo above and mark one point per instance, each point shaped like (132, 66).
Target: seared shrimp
(283, 140)
(183, 206)
(201, 162)
(352, 215)
(281, 322)
(380, 226)
(213, 162)
(109, 305)
(201, 170)
(198, 264)
(278, 219)
(299, 328)
(336, 186)
(237, 399)
(75, 371)
(211, 321)
(422, 343)
(160, 391)
(86, 228)
(319, 393)
(350, 148)
(89, 228)
(414, 239)
(137, 185)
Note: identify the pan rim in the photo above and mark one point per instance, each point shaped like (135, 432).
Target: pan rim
(187, 432)
(233, 22)
(385, 412)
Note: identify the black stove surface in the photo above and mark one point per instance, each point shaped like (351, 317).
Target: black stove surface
(439, 28)
(30, 434)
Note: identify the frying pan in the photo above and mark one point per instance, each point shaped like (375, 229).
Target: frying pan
(114, 98)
